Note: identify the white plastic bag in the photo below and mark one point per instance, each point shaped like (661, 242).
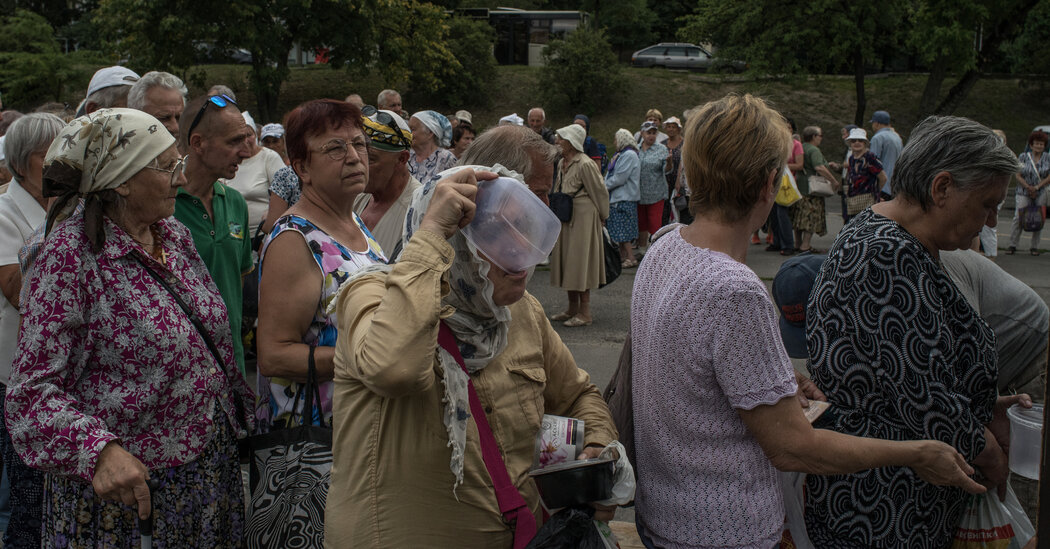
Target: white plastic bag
(989, 523)
(624, 483)
(792, 487)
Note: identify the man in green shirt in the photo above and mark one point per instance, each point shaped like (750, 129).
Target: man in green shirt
(215, 141)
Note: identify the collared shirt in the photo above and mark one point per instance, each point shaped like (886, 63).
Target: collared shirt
(20, 214)
(106, 354)
(225, 246)
(391, 454)
(886, 145)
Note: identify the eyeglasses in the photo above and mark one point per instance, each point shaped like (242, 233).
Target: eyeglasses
(219, 101)
(337, 149)
(386, 120)
(178, 169)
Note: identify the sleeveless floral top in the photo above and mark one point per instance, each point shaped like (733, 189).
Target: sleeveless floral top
(337, 263)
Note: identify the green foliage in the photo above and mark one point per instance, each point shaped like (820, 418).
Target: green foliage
(627, 23)
(470, 42)
(670, 15)
(1026, 53)
(413, 48)
(581, 72)
(32, 66)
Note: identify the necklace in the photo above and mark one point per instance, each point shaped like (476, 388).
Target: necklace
(157, 250)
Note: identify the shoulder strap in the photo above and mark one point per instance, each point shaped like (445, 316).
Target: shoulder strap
(511, 504)
(201, 330)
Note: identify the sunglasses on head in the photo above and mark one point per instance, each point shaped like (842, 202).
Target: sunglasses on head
(219, 101)
(384, 119)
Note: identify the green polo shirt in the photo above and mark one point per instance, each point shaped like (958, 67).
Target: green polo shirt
(224, 245)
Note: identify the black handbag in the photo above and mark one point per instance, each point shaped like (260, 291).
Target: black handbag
(613, 261)
(561, 203)
(289, 474)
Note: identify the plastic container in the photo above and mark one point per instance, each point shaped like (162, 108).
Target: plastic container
(1026, 439)
(511, 226)
(575, 482)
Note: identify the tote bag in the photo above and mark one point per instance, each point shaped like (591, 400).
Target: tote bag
(819, 186)
(289, 474)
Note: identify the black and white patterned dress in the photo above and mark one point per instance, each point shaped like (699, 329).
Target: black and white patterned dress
(901, 355)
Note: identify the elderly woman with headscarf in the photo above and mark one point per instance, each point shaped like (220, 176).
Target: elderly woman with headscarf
(431, 137)
(125, 372)
(577, 261)
(896, 347)
(622, 182)
(406, 440)
(21, 213)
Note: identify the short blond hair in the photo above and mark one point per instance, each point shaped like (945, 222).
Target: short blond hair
(654, 113)
(731, 147)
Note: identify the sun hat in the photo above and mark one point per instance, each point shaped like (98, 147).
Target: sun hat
(673, 120)
(464, 116)
(857, 133)
(112, 76)
(574, 134)
(881, 117)
(272, 130)
(791, 288)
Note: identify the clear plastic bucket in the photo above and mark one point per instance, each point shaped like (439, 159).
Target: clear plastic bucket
(511, 226)
(1026, 439)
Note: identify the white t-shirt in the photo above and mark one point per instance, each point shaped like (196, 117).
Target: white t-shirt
(253, 182)
(20, 215)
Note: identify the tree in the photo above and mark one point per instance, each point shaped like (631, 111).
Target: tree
(1025, 52)
(412, 46)
(581, 70)
(32, 66)
(470, 42)
(789, 38)
(627, 23)
(670, 15)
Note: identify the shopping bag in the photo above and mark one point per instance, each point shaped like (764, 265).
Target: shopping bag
(989, 523)
(788, 193)
(289, 473)
(792, 488)
(611, 256)
(819, 186)
(1032, 218)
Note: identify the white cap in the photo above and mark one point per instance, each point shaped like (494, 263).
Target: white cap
(272, 130)
(513, 119)
(112, 76)
(249, 121)
(857, 133)
(3, 156)
(465, 116)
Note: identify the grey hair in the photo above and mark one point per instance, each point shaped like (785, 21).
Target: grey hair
(542, 112)
(29, 134)
(809, 132)
(964, 148)
(511, 146)
(108, 97)
(220, 89)
(383, 96)
(152, 79)
(624, 138)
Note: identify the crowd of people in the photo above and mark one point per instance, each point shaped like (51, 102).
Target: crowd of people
(155, 247)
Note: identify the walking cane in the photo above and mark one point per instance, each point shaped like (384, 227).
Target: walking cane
(146, 524)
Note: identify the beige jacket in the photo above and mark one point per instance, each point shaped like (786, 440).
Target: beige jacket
(391, 483)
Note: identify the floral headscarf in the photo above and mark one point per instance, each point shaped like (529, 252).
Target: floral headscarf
(100, 151)
(438, 125)
(480, 326)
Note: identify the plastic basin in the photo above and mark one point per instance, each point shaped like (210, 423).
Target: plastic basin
(1026, 439)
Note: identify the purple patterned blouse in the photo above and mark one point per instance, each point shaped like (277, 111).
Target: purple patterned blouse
(106, 354)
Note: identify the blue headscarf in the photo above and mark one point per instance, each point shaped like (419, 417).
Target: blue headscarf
(438, 125)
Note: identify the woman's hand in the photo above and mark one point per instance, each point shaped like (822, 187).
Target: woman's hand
(807, 390)
(122, 477)
(1000, 424)
(993, 464)
(603, 513)
(452, 207)
(943, 465)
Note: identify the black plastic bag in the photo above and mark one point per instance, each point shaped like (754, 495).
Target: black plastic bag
(570, 528)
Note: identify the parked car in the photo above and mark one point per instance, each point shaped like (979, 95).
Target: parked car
(673, 55)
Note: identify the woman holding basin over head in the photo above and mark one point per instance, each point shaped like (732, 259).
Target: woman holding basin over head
(126, 369)
(577, 262)
(896, 347)
(397, 389)
(715, 409)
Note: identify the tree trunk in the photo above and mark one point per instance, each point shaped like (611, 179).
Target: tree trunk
(933, 87)
(958, 93)
(858, 78)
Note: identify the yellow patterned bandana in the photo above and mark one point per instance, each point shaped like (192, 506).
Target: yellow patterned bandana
(388, 131)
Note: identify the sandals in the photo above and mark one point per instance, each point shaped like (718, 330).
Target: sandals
(1011, 250)
(628, 263)
(576, 321)
(810, 250)
(1034, 251)
(561, 316)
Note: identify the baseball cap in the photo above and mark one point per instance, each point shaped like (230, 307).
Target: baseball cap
(882, 117)
(111, 76)
(791, 288)
(649, 125)
(272, 130)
